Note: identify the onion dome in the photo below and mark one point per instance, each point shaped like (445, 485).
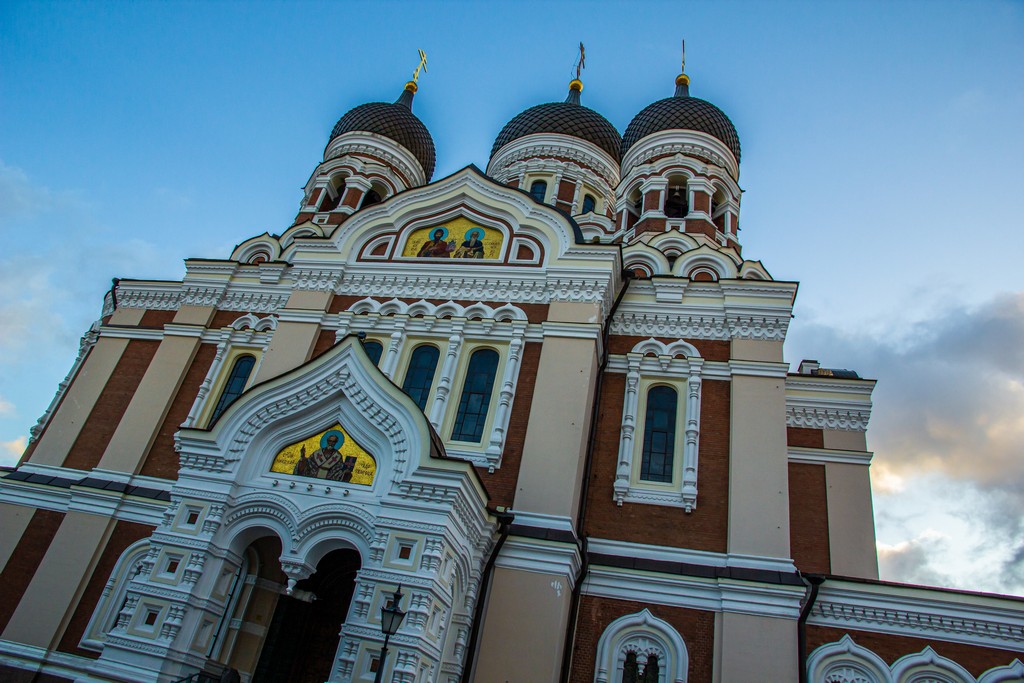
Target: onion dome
(394, 121)
(682, 112)
(565, 118)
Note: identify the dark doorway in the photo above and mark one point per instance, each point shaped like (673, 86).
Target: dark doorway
(303, 636)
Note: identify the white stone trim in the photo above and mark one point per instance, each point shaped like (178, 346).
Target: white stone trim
(820, 456)
(846, 662)
(380, 147)
(921, 613)
(643, 634)
(681, 364)
(674, 143)
(542, 557)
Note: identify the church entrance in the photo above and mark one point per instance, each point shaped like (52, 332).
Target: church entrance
(303, 635)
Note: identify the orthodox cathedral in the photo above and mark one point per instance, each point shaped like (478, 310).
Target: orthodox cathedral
(522, 424)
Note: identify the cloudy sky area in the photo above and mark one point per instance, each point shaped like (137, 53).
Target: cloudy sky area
(882, 154)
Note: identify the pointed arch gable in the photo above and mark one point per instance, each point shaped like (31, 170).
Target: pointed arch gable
(928, 666)
(846, 658)
(342, 385)
(468, 193)
(643, 634)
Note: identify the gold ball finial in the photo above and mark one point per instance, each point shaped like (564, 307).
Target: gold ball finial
(576, 84)
(412, 87)
(682, 79)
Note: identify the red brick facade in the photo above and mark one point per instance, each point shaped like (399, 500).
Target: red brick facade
(705, 528)
(808, 518)
(113, 401)
(695, 626)
(25, 559)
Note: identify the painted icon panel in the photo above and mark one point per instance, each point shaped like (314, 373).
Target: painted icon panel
(332, 454)
(459, 238)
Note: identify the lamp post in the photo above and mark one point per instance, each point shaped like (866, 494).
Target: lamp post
(391, 616)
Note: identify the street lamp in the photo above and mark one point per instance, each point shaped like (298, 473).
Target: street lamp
(391, 616)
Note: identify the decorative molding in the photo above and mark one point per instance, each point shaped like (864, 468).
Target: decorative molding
(644, 635)
(823, 417)
(447, 309)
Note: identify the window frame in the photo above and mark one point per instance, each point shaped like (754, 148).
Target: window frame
(406, 362)
(225, 380)
(456, 397)
(651, 364)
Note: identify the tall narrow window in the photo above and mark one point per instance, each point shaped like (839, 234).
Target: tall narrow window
(589, 203)
(420, 375)
(476, 396)
(235, 385)
(630, 669)
(676, 203)
(659, 434)
(373, 349)
(651, 673)
(539, 190)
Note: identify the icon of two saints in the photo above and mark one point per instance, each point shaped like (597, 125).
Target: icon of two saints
(437, 247)
(327, 462)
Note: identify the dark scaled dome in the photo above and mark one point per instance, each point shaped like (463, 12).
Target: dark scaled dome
(682, 112)
(566, 118)
(395, 121)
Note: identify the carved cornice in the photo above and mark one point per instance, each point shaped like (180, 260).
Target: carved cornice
(316, 279)
(821, 417)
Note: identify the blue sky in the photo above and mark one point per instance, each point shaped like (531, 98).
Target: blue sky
(881, 166)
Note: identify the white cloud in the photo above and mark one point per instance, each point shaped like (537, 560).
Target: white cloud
(10, 451)
(947, 430)
(6, 407)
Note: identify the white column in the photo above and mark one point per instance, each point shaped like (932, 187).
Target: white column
(508, 382)
(629, 408)
(390, 361)
(693, 386)
(444, 384)
(204, 388)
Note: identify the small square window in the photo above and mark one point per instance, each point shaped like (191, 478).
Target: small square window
(404, 551)
(172, 565)
(192, 517)
(374, 664)
(151, 617)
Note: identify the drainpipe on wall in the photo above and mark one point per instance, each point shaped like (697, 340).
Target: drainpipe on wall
(505, 519)
(577, 589)
(812, 581)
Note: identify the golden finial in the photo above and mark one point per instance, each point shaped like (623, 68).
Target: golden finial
(411, 85)
(682, 80)
(576, 85)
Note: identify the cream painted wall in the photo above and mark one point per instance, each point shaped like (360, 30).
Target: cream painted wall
(556, 438)
(14, 520)
(756, 648)
(851, 521)
(292, 342)
(53, 594)
(149, 405)
(752, 349)
(758, 467)
(127, 316)
(522, 641)
(844, 440)
(81, 397)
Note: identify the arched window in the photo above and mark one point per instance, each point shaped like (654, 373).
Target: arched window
(640, 648)
(539, 190)
(372, 197)
(235, 385)
(476, 396)
(659, 434)
(420, 375)
(589, 203)
(676, 203)
(373, 349)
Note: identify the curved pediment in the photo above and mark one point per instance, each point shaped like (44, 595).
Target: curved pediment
(466, 217)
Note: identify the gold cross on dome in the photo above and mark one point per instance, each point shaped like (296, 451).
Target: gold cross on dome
(581, 63)
(421, 65)
(682, 69)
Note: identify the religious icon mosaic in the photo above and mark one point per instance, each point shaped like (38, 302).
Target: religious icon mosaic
(459, 238)
(332, 454)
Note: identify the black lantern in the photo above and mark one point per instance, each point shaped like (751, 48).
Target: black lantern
(391, 616)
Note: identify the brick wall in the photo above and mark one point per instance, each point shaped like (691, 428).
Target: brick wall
(706, 527)
(976, 660)
(324, 341)
(709, 349)
(113, 401)
(162, 460)
(123, 535)
(696, 627)
(808, 518)
(802, 437)
(24, 561)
